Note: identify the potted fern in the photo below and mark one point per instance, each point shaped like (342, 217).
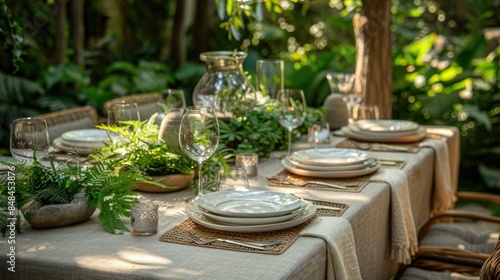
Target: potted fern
(58, 195)
(163, 168)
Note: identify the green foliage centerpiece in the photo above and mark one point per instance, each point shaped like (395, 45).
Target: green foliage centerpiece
(59, 183)
(135, 147)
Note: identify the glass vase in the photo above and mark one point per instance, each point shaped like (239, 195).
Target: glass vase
(224, 86)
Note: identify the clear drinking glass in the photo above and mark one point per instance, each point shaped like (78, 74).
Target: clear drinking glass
(235, 179)
(345, 83)
(121, 114)
(292, 111)
(249, 162)
(199, 136)
(29, 138)
(270, 77)
(318, 133)
(174, 98)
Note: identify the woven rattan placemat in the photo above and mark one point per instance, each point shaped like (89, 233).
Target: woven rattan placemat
(354, 184)
(180, 233)
(351, 144)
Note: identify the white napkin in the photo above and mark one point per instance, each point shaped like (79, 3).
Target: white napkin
(337, 233)
(443, 197)
(403, 231)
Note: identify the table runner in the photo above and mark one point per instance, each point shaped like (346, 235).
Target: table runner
(443, 197)
(403, 231)
(358, 182)
(342, 263)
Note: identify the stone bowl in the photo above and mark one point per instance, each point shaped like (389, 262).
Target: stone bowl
(39, 215)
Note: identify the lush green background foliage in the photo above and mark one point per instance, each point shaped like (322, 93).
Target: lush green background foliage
(445, 70)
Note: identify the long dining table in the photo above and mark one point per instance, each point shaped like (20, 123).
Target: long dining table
(361, 241)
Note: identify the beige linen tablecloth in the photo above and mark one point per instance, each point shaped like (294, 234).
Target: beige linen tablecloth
(86, 251)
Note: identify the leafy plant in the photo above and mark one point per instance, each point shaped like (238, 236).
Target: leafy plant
(259, 131)
(140, 150)
(104, 187)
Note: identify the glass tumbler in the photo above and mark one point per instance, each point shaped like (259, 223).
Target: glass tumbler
(144, 218)
(249, 162)
(29, 139)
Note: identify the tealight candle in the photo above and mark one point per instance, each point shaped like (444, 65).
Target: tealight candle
(249, 162)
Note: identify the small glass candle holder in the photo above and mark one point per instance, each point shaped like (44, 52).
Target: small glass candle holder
(235, 179)
(144, 218)
(319, 133)
(249, 162)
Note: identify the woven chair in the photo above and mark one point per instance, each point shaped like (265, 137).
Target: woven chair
(491, 267)
(446, 243)
(147, 103)
(69, 119)
(489, 270)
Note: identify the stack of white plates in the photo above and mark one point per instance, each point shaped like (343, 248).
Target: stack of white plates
(249, 211)
(83, 141)
(385, 131)
(330, 163)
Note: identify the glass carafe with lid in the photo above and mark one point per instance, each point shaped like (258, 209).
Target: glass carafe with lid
(224, 86)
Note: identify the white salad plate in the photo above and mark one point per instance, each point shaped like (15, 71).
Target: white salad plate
(92, 135)
(329, 156)
(386, 125)
(334, 168)
(252, 221)
(194, 212)
(331, 174)
(250, 204)
(418, 135)
(65, 147)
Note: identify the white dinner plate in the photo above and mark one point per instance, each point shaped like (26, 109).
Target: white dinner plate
(252, 221)
(329, 156)
(92, 135)
(250, 204)
(331, 174)
(386, 125)
(83, 145)
(419, 134)
(64, 147)
(194, 212)
(334, 168)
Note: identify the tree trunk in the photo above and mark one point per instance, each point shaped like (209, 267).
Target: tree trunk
(178, 50)
(61, 43)
(202, 26)
(377, 54)
(78, 31)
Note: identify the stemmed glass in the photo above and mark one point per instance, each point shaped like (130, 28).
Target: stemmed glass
(345, 83)
(199, 136)
(174, 98)
(292, 111)
(121, 114)
(270, 77)
(29, 138)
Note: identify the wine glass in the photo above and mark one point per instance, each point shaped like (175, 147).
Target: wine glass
(345, 83)
(292, 111)
(199, 136)
(174, 98)
(29, 139)
(121, 114)
(270, 77)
